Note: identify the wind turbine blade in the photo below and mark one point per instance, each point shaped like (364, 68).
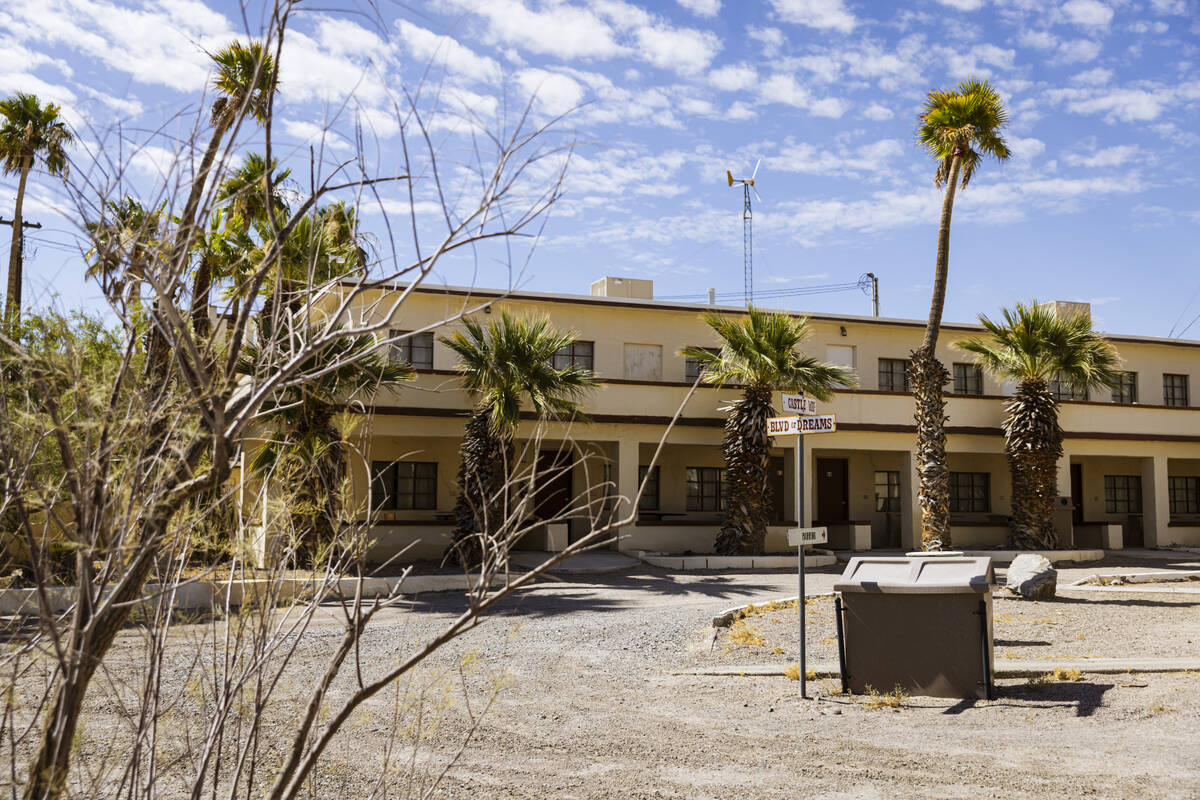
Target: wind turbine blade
(729, 176)
(756, 194)
(754, 174)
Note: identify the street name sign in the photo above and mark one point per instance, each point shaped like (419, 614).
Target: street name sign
(792, 426)
(799, 404)
(798, 537)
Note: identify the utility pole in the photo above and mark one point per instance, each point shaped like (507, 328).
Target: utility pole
(12, 304)
(874, 293)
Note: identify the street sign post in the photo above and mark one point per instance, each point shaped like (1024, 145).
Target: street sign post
(799, 404)
(799, 537)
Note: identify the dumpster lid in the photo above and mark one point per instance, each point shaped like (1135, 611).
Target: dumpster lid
(900, 575)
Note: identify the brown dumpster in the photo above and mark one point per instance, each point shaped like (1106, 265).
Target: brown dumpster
(923, 624)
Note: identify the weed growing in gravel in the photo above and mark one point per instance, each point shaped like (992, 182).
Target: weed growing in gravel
(1061, 674)
(792, 672)
(1158, 708)
(743, 635)
(876, 699)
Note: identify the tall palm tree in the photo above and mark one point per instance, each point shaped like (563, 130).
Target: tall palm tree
(124, 244)
(760, 351)
(1032, 346)
(245, 81)
(502, 365)
(28, 131)
(958, 127)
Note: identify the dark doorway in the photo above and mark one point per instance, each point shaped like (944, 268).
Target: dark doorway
(554, 493)
(778, 489)
(833, 490)
(1077, 493)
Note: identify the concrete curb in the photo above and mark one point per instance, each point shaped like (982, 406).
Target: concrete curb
(736, 562)
(725, 618)
(1006, 556)
(1119, 579)
(1005, 668)
(1130, 589)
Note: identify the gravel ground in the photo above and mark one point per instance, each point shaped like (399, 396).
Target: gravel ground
(590, 707)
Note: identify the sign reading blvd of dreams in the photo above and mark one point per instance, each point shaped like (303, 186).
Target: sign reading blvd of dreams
(798, 537)
(791, 426)
(799, 404)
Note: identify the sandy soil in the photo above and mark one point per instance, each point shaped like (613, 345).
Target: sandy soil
(591, 709)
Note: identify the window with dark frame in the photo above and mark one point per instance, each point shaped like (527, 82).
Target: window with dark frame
(579, 354)
(887, 490)
(692, 366)
(1184, 493)
(648, 480)
(1123, 494)
(416, 349)
(1175, 390)
(1125, 392)
(893, 374)
(968, 379)
(705, 488)
(404, 485)
(1066, 390)
(970, 492)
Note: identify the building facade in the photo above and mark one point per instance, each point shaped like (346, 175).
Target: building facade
(1129, 476)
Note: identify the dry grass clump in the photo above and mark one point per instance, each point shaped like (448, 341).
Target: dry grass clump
(792, 672)
(768, 607)
(873, 698)
(743, 635)
(1159, 708)
(1060, 674)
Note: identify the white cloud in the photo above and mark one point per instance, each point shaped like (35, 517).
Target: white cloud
(1078, 51)
(556, 93)
(1106, 157)
(686, 51)
(733, 77)
(561, 30)
(820, 14)
(963, 5)
(1025, 149)
(444, 50)
(1093, 77)
(833, 107)
(703, 8)
(1087, 13)
(770, 39)
(1039, 40)
(1144, 26)
(1169, 6)
(783, 88)
(878, 112)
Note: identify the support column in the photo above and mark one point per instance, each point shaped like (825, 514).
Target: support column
(810, 469)
(910, 505)
(627, 487)
(1156, 508)
(1063, 523)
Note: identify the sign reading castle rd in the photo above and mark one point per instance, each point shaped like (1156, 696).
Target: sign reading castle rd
(799, 404)
(792, 426)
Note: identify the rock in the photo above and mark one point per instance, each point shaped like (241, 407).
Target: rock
(1032, 577)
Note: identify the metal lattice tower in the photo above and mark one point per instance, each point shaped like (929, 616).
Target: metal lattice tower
(747, 185)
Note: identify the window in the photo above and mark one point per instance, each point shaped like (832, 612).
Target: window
(648, 478)
(970, 492)
(887, 490)
(579, 354)
(1175, 390)
(1184, 492)
(1126, 391)
(1065, 390)
(705, 488)
(692, 366)
(893, 374)
(416, 350)
(404, 485)
(1123, 494)
(968, 379)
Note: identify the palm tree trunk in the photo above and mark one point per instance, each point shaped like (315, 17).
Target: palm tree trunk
(747, 467)
(12, 303)
(202, 280)
(1033, 444)
(928, 377)
(482, 474)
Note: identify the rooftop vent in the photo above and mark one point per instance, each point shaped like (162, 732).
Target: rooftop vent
(1064, 309)
(635, 288)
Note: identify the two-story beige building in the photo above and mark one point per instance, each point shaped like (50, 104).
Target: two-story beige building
(1132, 456)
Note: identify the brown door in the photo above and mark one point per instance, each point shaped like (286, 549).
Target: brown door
(833, 491)
(1077, 493)
(778, 489)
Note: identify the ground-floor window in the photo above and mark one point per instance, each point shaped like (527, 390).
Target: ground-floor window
(404, 485)
(970, 492)
(705, 488)
(887, 490)
(1184, 491)
(1123, 494)
(648, 479)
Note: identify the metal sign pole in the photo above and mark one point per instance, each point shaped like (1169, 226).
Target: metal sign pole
(800, 559)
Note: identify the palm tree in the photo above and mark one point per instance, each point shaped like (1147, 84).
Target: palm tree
(245, 81)
(760, 352)
(503, 364)
(124, 244)
(958, 127)
(29, 131)
(1032, 346)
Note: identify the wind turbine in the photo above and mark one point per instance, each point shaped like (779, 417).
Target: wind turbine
(747, 185)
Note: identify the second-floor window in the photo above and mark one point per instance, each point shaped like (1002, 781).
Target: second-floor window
(968, 379)
(970, 492)
(1184, 493)
(693, 366)
(1175, 390)
(579, 354)
(1123, 494)
(416, 349)
(1126, 391)
(648, 480)
(705, 488)
(893, 374)
(1065, 390)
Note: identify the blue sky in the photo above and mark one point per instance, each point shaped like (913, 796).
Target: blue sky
(1099, 202)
